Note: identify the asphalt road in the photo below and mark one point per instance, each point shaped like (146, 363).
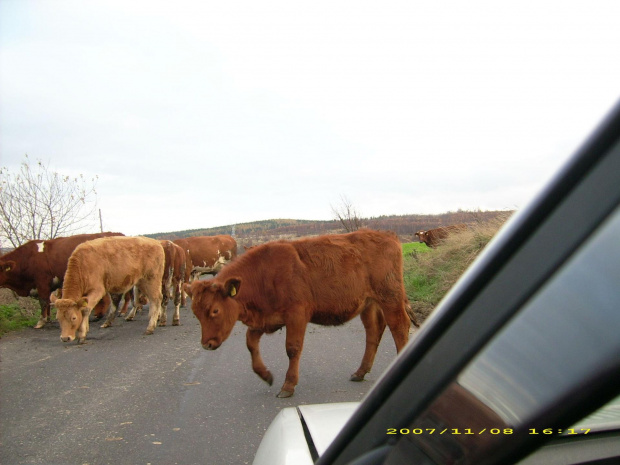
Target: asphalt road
(127, 398)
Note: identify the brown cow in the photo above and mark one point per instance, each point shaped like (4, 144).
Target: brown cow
(174, 274)
(434, 237)
(38, 267)
(326, 280)
(112, 264)
(206, 255)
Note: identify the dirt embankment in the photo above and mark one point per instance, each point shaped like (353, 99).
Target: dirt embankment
(27, 305)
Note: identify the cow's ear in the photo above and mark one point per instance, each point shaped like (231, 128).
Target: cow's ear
(54, 296)
(82, 303)
(187, 287)
(231, 287)
(8, 265)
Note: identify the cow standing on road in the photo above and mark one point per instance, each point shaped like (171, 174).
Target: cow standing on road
(206, 254)
(327, 280)
(172, 281)
(113, 264)
(37, 268)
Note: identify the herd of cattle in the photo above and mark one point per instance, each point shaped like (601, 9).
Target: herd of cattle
(327, 280)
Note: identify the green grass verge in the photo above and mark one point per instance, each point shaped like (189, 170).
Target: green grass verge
(430, 273)
(12, 318)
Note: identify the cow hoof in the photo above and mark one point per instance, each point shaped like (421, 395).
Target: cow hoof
(39, 324)
(81, 340)
(284, 394)
(106, 325)
(269, 379)
(176, 322)
(356, 378)
(129, 318)
(162, 324)
(148, 332)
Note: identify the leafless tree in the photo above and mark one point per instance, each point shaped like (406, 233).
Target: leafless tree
(37, 203)
(348, 215)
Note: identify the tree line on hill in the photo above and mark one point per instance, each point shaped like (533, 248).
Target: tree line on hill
(405, 226)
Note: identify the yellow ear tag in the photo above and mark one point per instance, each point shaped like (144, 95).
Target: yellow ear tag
(233, 291)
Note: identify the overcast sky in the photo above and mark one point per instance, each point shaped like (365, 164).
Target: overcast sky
(206, 113)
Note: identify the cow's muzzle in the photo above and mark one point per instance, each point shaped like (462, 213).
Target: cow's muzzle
(66, 338)
(211, 345)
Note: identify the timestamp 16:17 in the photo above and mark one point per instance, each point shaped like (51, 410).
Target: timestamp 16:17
(559, 431)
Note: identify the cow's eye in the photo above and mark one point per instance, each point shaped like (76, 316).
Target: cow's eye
(215, 311)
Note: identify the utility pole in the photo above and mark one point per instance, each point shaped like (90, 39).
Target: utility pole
(100, 221)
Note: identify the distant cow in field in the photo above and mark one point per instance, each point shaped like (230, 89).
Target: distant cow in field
(112, 264)
(327, 280)
(174, 275)
(37, 268)
(433, 237)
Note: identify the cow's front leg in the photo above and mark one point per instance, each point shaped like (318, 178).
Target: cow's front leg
(84, 326)
(295, 331)
(45, 314)
(252, 339)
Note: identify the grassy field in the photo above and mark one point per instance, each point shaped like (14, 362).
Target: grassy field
(430, 273)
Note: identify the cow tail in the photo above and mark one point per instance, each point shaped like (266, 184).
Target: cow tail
(411, 314)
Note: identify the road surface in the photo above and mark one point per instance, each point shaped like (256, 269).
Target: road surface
(127, 398)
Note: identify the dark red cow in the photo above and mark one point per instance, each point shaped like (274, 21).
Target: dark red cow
(38, 267)
(433, 237)
(326, 280)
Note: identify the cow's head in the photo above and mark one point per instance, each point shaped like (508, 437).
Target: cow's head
(216, 306)
(70, 315)
(6, 271)
(422, 236)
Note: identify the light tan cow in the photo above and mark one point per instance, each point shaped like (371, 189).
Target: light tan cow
(174, 274)
(113, 264)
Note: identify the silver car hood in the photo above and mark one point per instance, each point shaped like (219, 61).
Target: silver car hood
(299, 432)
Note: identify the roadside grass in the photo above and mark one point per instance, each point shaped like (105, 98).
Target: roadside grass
(12, 318)
(17, 312)
(430, 273)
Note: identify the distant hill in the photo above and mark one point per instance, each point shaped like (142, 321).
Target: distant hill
(404, 226)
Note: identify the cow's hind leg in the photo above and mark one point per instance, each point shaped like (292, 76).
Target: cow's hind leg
(374, 324)
(176, 319)
(399, 323)
(163, 317)
(295, 331)
(252, 338)
(152, 290)
(110, 318)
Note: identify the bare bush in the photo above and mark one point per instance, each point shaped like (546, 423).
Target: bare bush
(37, 203)
(348, 215)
